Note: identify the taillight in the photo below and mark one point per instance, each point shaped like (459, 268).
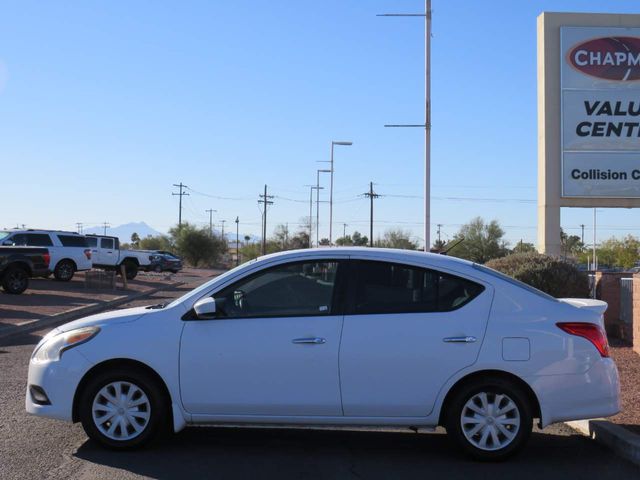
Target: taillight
(87, 253)
(47, 258)
(592, 332)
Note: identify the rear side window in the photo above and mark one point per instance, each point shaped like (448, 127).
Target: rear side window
(73, 241)
(38, 240)
(383, 287)
(106, 242)
(92, 242)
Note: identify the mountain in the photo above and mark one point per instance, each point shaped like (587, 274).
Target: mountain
(124, 232)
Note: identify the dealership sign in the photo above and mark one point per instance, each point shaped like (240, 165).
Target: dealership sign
(600, 110)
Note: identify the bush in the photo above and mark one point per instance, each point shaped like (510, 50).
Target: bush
(552, 275)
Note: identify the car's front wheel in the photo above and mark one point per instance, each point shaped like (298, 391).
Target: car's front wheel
(490, 419)
(122, 409)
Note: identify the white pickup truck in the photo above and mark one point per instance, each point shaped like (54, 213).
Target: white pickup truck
(106, 254)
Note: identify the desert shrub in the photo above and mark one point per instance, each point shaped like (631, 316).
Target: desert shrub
(552, 275)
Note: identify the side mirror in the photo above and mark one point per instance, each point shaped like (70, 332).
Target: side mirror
(205, 308)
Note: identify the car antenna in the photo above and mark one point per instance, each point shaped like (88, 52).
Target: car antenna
(444, 252)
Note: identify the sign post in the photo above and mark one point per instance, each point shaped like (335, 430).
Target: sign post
(588, 116)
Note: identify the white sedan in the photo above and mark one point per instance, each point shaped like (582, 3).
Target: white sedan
(342, 336)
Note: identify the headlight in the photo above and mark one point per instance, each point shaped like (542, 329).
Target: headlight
(52, 349)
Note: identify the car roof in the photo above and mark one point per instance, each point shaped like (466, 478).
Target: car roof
(35, 230)
(388, 254)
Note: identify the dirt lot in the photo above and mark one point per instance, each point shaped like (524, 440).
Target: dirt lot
(47, 297)
(628, 363)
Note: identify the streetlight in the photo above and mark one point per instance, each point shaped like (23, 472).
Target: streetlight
(346, 144)
(318, 172)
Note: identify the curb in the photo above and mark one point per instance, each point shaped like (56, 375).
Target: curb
(77, 312)
(617, 438)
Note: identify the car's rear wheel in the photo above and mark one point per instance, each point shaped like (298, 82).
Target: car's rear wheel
(15, 280)
(490, 419)
(130, 270)
(122, 409)
(157, 269)
(64, 271)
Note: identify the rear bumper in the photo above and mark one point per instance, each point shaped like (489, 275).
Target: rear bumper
(593, 394)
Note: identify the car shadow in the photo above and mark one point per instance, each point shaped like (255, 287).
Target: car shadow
(200, 452)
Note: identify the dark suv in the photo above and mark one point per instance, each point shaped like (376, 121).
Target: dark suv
(162, 261)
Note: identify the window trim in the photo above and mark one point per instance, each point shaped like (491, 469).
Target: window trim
(353, 284)
(337, 303)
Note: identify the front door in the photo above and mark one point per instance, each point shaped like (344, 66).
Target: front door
(273, 350)
(408, 329)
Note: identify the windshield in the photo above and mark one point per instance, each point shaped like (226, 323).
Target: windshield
(4, 235)
(205, 286)
(513, 281)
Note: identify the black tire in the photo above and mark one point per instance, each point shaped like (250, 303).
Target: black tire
(157, 269)
(130, 270)
(492, 387)
(64, 271)
(15, 280)
(157, 409)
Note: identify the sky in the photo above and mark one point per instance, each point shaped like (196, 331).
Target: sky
(105, 105)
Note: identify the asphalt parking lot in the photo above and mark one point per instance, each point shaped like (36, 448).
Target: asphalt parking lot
(33, 447)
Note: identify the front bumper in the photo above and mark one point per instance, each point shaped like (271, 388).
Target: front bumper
(593, 394)
(59, 381)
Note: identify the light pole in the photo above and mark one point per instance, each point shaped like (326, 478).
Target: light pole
(311, 189)
(333, 143)
(318, 188)
(237, 241)
(427, 115)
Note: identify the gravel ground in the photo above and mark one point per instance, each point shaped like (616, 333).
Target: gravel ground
(628, 363)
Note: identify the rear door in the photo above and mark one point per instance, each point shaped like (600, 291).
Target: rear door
(107, 253)
(407, 330)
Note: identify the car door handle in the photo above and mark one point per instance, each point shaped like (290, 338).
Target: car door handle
(312, 340)
(468, 339)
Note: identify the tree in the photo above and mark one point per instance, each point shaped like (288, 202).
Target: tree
(615, 253)
(482, 241)
(325, 242)
(571, 245)
(524, 247)
(135, 240)
(357, 240)
(397, 238)
(197, 246)
(159, 242)
(438, 246)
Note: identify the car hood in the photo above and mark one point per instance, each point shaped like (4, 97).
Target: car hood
(115, 316)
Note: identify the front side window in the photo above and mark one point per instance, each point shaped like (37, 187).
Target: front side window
(383, 287)
(294, 289)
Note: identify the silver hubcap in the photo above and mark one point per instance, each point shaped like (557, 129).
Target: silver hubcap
(490, 421)
(121, 410)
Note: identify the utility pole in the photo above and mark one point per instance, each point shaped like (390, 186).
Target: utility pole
(181, 194)
(582, 234)
(210, 212)
(371, 194)
(439, 225)
(344, 230)
(79, 225)
(105, 225)
(237, 241)
(265, 199)
(427, 115)
(222, 221)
